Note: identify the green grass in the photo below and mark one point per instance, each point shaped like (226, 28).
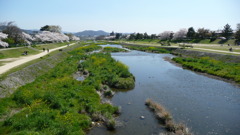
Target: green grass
(211, 66)
(14, 53)
(17, 68)
(217, 41)
(17, 52)
(113, 49)
(157, 41)
(56, 103)
(148, 49)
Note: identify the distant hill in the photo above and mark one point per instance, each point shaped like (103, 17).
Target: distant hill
(34, 31)
(91, 33)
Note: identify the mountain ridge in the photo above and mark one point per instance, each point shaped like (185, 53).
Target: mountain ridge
(91, 33)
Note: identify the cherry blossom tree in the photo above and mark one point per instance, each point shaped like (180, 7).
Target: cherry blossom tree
(27, 38)
(72, 37)
(3, 36)
(75, 38)
(166, 35)
(47, 36)
(181, 34)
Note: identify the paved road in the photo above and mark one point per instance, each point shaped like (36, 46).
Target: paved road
(23, 60)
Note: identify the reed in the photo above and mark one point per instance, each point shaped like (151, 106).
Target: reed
(165, 118)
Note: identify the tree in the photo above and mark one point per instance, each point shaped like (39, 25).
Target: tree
(72, 37)
(132, 36)
(237, 35)
(139, 36)
(3, 36)
(112, 33)
(203, 33)
(191, 33)
(181, 34)
(145, 35)
(14, 32)
(47, 36)
(27, 38)
(213, 36)
(227, 32)
(118, 35)
(51, 28)
(153, 36)
(166, 35)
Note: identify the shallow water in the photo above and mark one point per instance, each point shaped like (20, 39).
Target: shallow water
(207, 106)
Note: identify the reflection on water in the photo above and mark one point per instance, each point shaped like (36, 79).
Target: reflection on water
(205, 105)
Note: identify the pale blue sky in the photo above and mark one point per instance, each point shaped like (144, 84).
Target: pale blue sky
(151, 16)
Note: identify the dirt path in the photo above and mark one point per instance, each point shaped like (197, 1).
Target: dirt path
(216, 50)
(23, 60)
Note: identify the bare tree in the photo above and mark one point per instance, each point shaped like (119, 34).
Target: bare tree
(14, 32)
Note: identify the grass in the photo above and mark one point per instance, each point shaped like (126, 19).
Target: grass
(15, 53)
(2, 76)
(107, 71)
(211, 66)
(158, 41)
(217, 41)
(56, 103)
(113, 49)
(221, 48)
(148, 49)
(213, 51)
(165, 118)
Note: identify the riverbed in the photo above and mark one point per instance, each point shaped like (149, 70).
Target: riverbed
(206, 105)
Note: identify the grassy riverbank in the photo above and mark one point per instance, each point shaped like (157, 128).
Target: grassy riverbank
(56, 103)
(173, 42)
(148, 49)
(212, 66)
(113, 49)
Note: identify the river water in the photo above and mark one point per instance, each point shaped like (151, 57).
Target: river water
(207, 106)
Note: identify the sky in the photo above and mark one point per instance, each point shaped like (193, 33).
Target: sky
(127, 16)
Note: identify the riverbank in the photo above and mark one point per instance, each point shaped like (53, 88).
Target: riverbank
(192, 99)
(212, 48)
(211, 66)
(226, 69)
(58, 103)
(202, 73)
(28, 72)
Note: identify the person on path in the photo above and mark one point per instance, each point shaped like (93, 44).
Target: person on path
(43, 49)
(47, 50)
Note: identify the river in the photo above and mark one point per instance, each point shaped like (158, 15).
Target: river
(207, 106)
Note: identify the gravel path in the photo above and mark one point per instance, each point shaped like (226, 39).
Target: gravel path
(23, 60)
